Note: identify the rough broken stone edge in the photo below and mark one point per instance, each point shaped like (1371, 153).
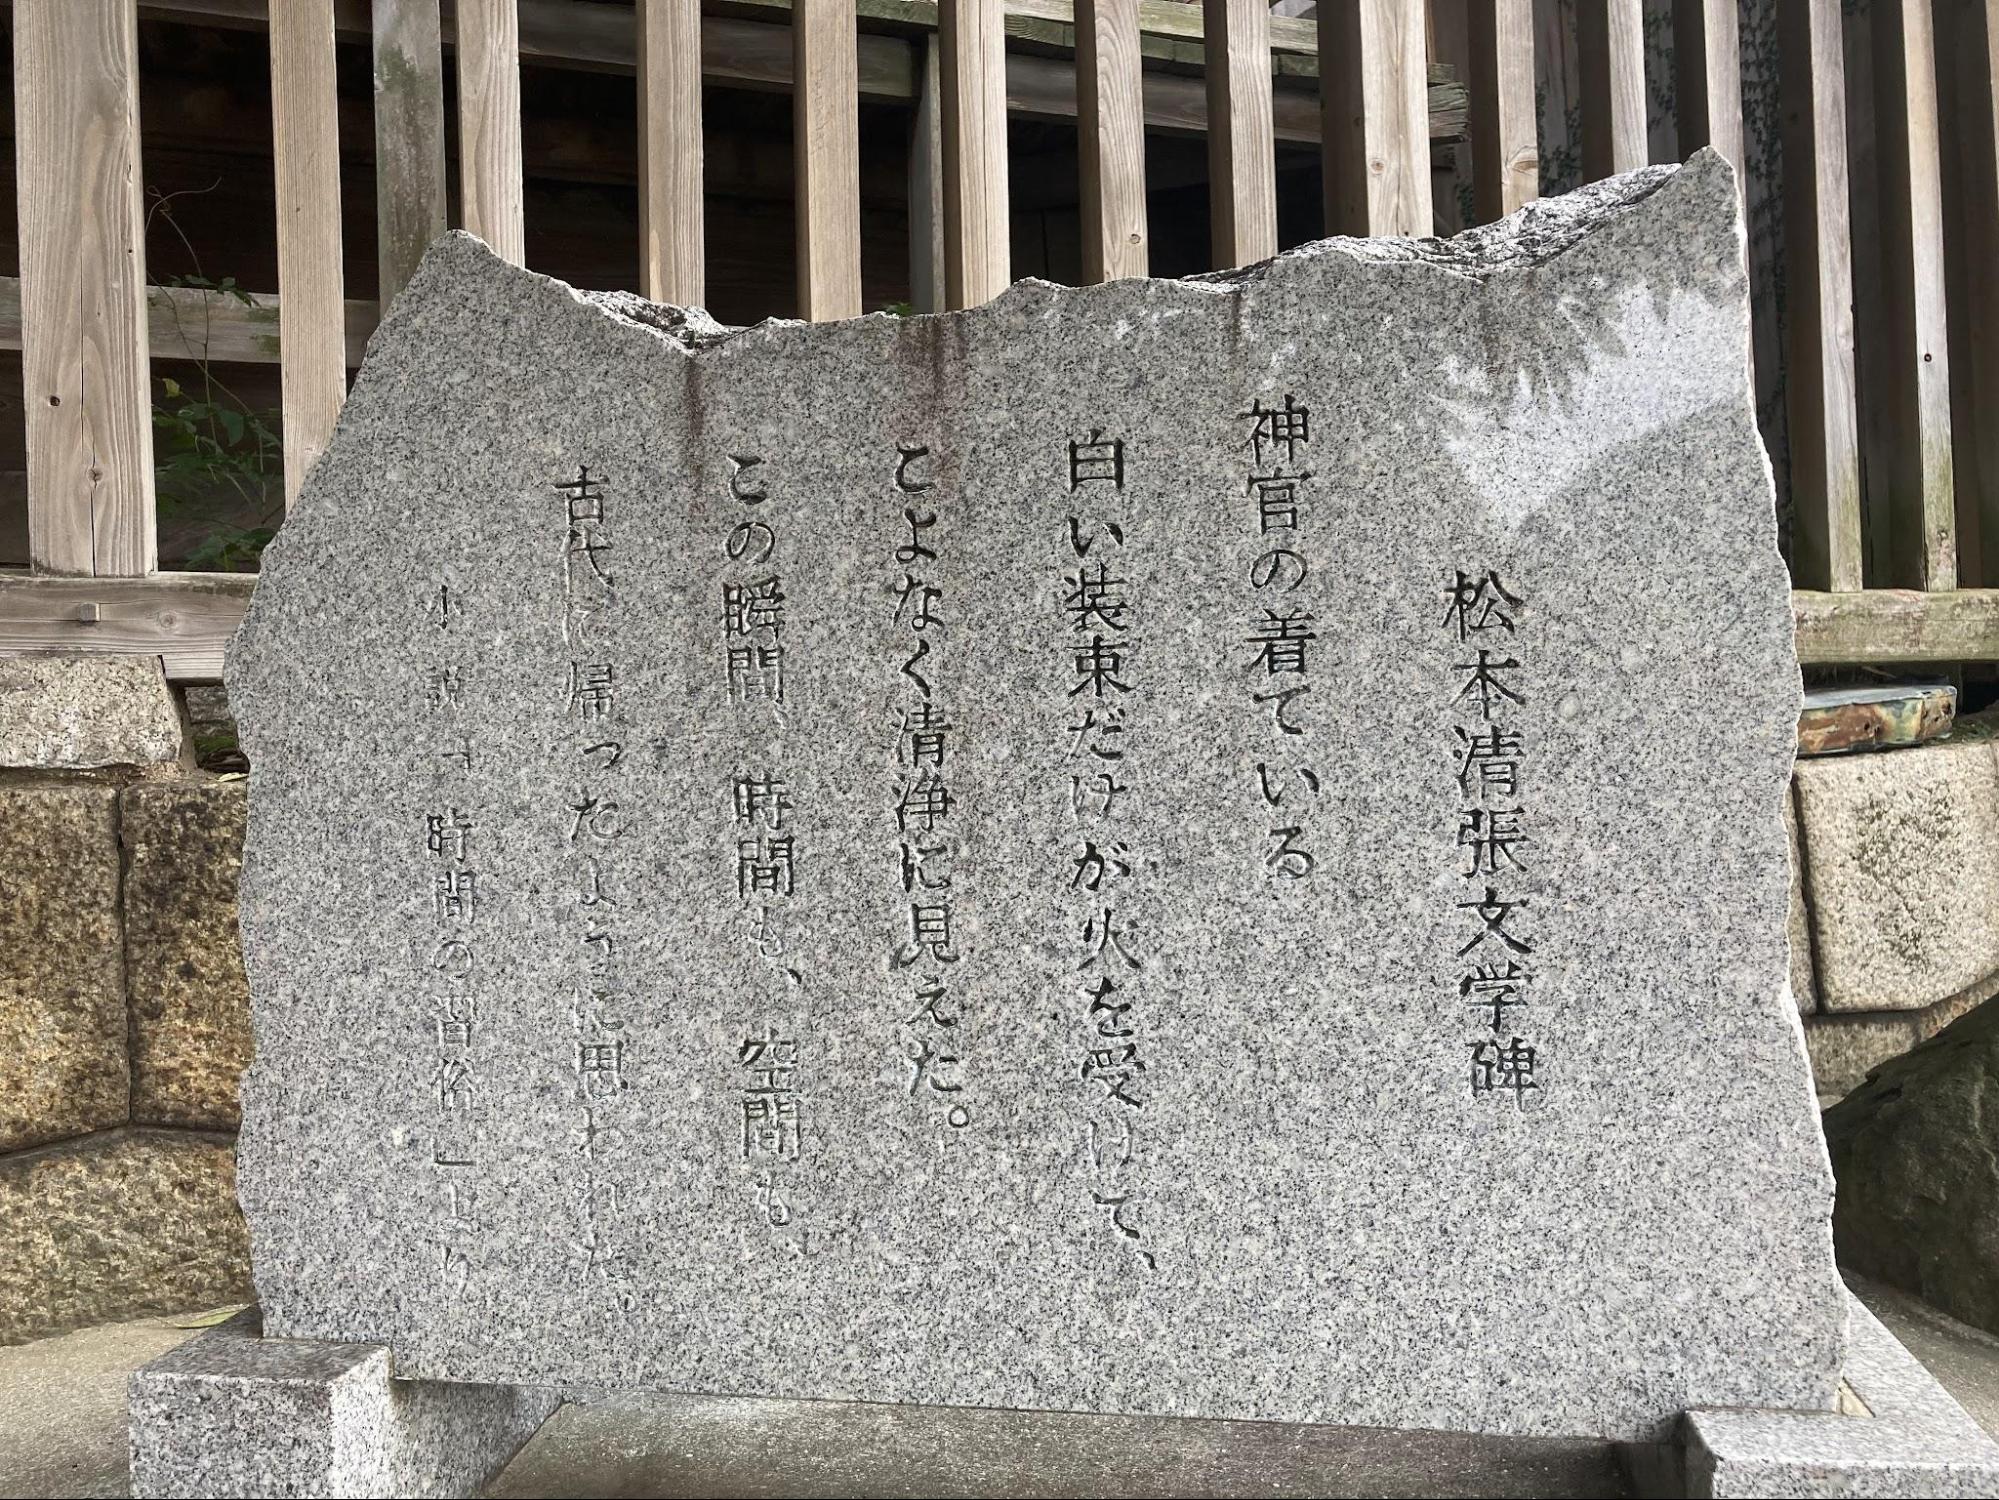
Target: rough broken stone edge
(1539, 232)
(315, 1418)
(1918, 1440)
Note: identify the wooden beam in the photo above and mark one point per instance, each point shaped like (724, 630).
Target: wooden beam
(978, 254)
(1819, 393)
(1896, 625)
(1505, 144)
(1915, 362)
(826, 132)
(1968, 59)
(1374, 94)
(489, 124)
(185, 619)
(306, 150)
(672, 222)
(188, 323)
(1110, 132)
(83, 280)
(1707, 79)
(595, 37)
(926, 185)
(1242, 142)
(1610, 47)
(409, 138)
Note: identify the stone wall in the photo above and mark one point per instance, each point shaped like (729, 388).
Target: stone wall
(124, 1015)
(1895, 929)
(123, 1011)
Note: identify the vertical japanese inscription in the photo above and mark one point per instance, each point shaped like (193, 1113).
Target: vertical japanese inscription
(1494, 978)
(923, 810)
(1280, 636)
(456, 1080)
(596, 892)
(764, 852)
(1102, 658)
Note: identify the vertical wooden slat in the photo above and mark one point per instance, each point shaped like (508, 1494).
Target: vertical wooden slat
(1375, 117)
(489, 123)
(1610, 45)
(977, 250)
(826, 136)
(1968, 60)
(1916, 367)
(409, 138)
(1825, 433)
(1506, 160)
(926, 184)
(83, 294)
(1707, 78)
(672, 238)
(1110, 125)
(1242, 139)
(305, 129)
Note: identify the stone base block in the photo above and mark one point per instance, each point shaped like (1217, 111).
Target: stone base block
(233, 1413)
(1898, 1433)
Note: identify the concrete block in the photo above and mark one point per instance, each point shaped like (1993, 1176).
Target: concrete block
(1901, 855)
(233, 1413)
(190, 1004)
(71, 712)
(63, 1068)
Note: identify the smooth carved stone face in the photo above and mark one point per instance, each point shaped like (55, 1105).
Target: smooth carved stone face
(1205, 847)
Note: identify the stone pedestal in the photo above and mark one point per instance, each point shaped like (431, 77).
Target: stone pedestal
(1896, 1432)
(232, 1413)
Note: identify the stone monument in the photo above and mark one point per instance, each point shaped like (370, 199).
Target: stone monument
(1203, 848)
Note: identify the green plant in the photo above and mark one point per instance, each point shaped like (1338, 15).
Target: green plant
(216, 458)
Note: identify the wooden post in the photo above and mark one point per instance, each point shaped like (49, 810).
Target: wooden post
(1968, 59)
(1242, 142)
(926, 184)
(672, 237)
(489, 123)
(977, 229)
(1110, 128)
(305, 130)
(1707, 78)
(84, 365)
(1610, 47)
(409, 138)
(1374, 101)
(1916, 365)
(826, 135)
(1825, 431)
(1506, 152)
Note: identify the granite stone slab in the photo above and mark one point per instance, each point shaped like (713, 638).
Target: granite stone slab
(231, 1413)
(846, 861)
(1907, 1437)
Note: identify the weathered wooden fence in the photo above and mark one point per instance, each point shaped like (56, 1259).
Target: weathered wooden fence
(1924, 224)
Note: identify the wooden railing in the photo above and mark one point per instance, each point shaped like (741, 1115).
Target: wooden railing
(1926, 239)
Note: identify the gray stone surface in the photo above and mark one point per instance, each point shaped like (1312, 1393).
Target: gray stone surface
(630, 1117)
(119, 1223)
(1902, 873)
(74, 712)
(231, 1413)
(1913, 1441)
(189, 1002)
(1846, 1046)
(1916, 1150)
(63, 1060)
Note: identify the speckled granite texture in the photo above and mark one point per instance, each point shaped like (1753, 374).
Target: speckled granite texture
(1914, 1441)
(230, 1413)
(609, 1030)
